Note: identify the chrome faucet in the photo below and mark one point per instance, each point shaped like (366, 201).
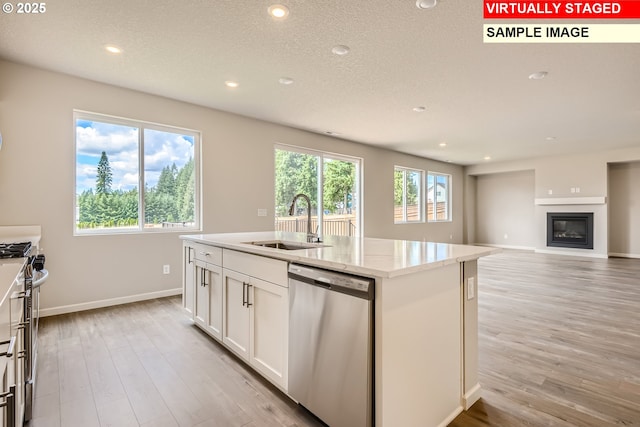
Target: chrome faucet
(311, 237)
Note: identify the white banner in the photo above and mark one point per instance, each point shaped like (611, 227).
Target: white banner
(561, 33)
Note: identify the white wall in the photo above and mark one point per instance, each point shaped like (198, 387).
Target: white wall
(624, 209)
(587, 171)
(505, 210)
(37, 183)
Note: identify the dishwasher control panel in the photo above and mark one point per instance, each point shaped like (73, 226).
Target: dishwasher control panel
(354, 285)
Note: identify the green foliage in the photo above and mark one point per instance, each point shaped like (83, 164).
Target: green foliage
(339, 180)
(295, 173)
(186, 191)
(171, 200)
(398, 187)
(105, 176)
(411, 189)
(298, 173)
(115, 209)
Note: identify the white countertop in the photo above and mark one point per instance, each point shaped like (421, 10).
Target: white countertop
(366, 256)
(20, 233)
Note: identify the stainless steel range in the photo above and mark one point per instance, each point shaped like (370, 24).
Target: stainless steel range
(33, 275)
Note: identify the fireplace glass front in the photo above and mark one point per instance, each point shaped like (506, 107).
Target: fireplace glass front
(570, 230)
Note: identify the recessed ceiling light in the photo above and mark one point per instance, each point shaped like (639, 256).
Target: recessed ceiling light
(487, 157)
(443, 144)
(231, 83)
(285, 80)
(332, 133)
(550, 138)
(448, 161)
(340, 49)
(539, 75)
(419, 109)
(112, 49)
(426, 4)
(278, 11)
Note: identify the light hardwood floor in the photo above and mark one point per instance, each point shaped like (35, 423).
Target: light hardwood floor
(559, 342)
(145, 364)
(559, 346)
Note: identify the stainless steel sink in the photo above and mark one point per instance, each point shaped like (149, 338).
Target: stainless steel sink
(284, 245)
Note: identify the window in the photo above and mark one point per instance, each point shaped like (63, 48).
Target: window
(115, 158)
(408, 195)
(438, 197)
(331, 181)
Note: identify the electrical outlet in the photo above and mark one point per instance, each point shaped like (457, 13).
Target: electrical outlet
(450, 236)
(166, 269)
(573, 189)
(550, 192)
(471, 288)
(262, 212)
(577, 189)
(506, 236)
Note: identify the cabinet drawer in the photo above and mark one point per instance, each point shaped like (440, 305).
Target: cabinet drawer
(269, 269)
(210, 254)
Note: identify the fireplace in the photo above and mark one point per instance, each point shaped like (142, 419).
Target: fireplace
(570, 230)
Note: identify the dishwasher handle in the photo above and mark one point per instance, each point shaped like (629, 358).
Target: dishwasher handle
(357, 286)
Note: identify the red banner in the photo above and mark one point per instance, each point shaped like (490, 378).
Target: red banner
(517, 9)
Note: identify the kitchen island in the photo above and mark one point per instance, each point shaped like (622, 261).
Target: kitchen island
(425, 312)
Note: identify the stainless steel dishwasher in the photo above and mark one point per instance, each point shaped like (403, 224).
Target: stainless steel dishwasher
(331, 345)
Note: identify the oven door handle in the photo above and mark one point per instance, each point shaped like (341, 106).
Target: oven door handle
(12, 344)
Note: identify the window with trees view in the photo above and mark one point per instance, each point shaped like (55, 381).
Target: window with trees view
(438, 197)
(116, 158)
(332, 182)
(407, 195)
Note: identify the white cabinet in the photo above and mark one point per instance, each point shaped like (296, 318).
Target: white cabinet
(235, 311)
(242, 300)
(188, 277)
(269, 330)
(12, 346)
(207, 289)
(208, 298)
(19, 330)
(256, 313)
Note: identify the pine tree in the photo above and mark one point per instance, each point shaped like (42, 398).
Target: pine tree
(105, 176)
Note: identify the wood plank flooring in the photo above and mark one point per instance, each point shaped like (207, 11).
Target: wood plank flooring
(145, 364)
(559, 342)
(559, 346)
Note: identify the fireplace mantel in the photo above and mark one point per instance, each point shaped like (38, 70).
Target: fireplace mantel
(571, 201)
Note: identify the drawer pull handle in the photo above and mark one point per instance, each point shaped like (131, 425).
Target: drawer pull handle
(22, 294)
(244, 294)
(248, 303)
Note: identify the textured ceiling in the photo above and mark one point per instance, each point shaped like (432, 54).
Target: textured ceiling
(478, 98)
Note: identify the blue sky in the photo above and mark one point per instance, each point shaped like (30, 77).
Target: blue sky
(121, 145)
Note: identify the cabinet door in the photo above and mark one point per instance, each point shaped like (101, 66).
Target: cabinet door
(188, 279)
(235, 312)
(201, 311)
(213, 277)
(20, 331)
(269, 335)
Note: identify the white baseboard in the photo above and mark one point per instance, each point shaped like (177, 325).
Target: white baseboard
(452, 416)
(620, 255)
(472, 396)
(492, 245)
(107, 302)
(571, 253)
